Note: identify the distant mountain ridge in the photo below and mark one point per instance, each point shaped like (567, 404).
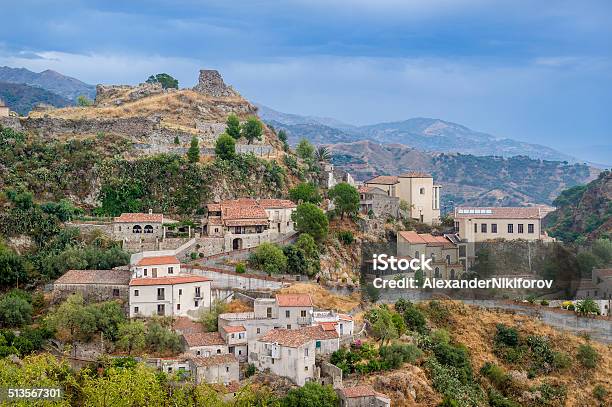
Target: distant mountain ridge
(22, 98)
(65, 86)
(425, 134)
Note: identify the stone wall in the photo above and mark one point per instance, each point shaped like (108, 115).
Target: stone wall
(115, 95)
(131, 126)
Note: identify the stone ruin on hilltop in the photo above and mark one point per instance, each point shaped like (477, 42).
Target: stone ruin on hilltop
(211, 83)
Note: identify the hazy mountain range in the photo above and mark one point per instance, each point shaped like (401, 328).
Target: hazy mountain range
(65, 86)
(425, 134)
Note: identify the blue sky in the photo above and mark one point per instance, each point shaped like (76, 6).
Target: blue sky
(538, 71)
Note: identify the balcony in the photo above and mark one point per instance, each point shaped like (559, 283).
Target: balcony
(303, 320)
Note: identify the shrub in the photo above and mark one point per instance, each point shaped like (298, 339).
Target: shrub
(457, 357)
(506, 336)
(193, 255)
(240, 268)
(438, 312)
(544, 303)
(269, 258)
(250, 370)
(561, 361)
(495, 374)
(600, 392)
(346, 237)
(498, 400)
(588, 356)
(225, 147)
(447, 381)
(415, 320)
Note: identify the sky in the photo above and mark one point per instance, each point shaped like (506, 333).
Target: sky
(536, 71)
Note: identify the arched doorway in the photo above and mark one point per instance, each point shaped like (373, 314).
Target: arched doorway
(237, 244)
(148, 229)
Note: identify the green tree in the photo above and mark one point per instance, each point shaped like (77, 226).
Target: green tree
(209, 318)
(13, 268)
(269, 258)
(73, 319)
(177, 141)
(165, 80)
(160, 339)
(305, 150)
(322, 154)
(193, 154)
(308, 246)
(305, 192)
(233, 126)
(346, 198)
(296, 260)
(83, 101)
(282, 136)
(310, 219)
(225, 147)
(384, 327)
(252, 129)
(312, 394)
(131, 336)
(15, 310)
(587, 306)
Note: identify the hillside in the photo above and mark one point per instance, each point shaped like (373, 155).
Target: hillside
(424, 134)
(65, 86)
(584, 211)
(22, 98)
(466, 179)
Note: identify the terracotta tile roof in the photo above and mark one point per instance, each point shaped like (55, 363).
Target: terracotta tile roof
(603, 272)
(232, 387)
(214, 360)
(412, 237)
(318, 332)
(214, 207)
(232, 329)
(140, 217)
(243, 211)
(185, 325)
(425, 238)
(158, 260)
(110, 277)
(214, 221)
(277, 203)
(294, 300)
(361, 391)
(180, 279)
(384, 180)
(415, 174)
(498, 213)
(292, 338)
(204, 339)
(345, 317)
(328, 326)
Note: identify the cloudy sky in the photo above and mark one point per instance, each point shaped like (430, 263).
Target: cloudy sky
(539, 71)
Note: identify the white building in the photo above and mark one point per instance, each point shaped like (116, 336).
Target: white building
(236, 339)
(156, 266)
(205, 344)
(222, 369)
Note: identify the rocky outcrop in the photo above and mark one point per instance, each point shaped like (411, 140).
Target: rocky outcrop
(116, 95)
(211, 83)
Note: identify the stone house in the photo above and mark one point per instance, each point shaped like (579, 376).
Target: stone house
(343, 324)
(138, 226)
(222, 369)
(448, 258)
(286, 352)
(236, 339)
(417, 189)
(205, 344)
(362, 396)
(246, 223)
(377, 202)
(93, 285)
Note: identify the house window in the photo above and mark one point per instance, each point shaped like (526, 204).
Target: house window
(475, 227)
(530, 228)
(115, 292)
(145, 272)
(178, 307)
(510, 228)
(170, 270)
(303, 313)
(483, 227)
(272, 361)
(422, 191)
(160, 293)
(198, 353)
(239, 352)
(520, 228)
(161, 309)
(227, 368)
(196, 303)
(448, 259)
(287, 314)
(258, 330)
(493, 227)
(416, 254)
(269, 312)
(148, 229)
(135, 310)
(197, 292)
(218, 351)
(306, 352)
(180, 291)
(136, 292)
(232, 336)
(136, 229)
(305, 368)
(318, 344)
(288, 326)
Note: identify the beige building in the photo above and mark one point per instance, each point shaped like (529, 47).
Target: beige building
(416, 189)
(4, 110)
(236, 339)
(375, 201)
(474, 224)
(286, 352)
(222, 369)
(205, 344)
(448, 257)
(245, 223)
(362, 396)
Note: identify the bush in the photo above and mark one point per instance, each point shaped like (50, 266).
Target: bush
(498, 400)
(600, 392)
(269, 258)
(346, 237)
(225, 147)
(561, 361)
(193, 255)
(240, 268)
(250, 370)
(587, 356)
(438, 312)
(15, 310)
(495, 374)
(506, 336)
(456, 357)
(415, 320)
(544, 303)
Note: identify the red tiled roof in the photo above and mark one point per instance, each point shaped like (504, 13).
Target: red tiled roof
(294, 300)
(158, 260)
(185, 325)
(110, 277)
(498, 213)
(215, 360)
(361, 391)
(384, 180)
(277, 203)
(243, 211)
(180, 279)
(232, 329)
(292, 338)
(214, 207)
(140, 217)
(204, 339)
(328, 326)
(424, 238)
(319, 332)
(415, 174)
(345, 317)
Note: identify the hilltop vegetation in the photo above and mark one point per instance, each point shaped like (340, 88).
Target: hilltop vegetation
(583, 212)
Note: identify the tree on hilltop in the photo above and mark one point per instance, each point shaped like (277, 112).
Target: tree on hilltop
(165, 80)
(233, 126)
(252, 129)
(225, 148)
(346, 199)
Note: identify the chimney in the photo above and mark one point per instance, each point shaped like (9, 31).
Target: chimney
(150, 211)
